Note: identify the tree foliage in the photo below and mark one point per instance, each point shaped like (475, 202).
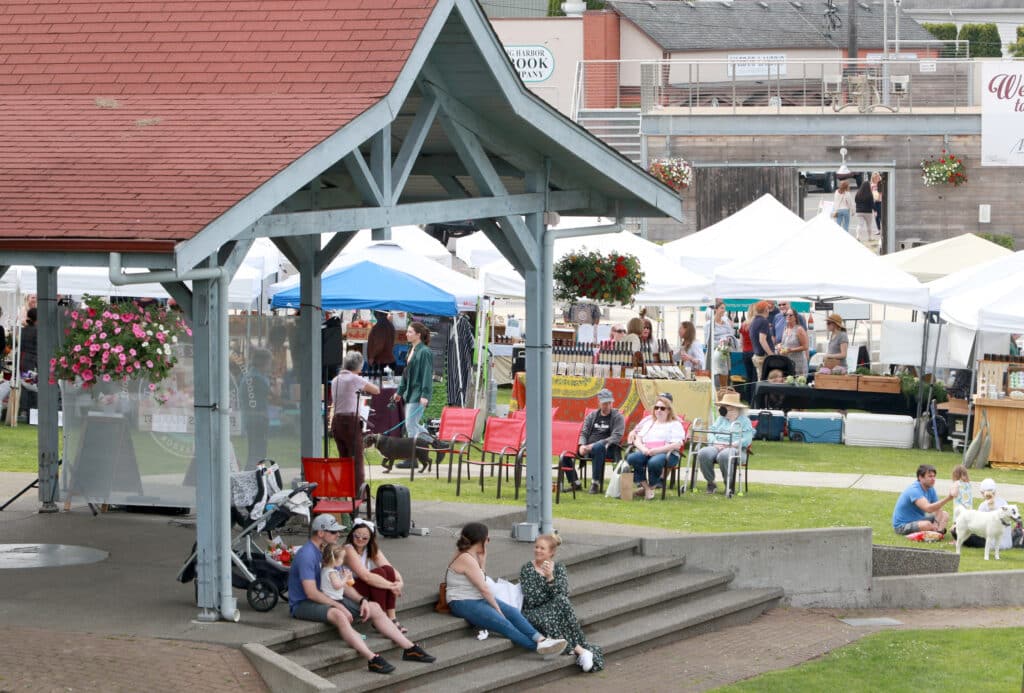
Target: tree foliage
(945, 31)
(1016, 49)
(1003, 239)
(983, 39)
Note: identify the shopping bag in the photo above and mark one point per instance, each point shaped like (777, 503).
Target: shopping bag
(613, 483)
(511, 594)
(626, 486)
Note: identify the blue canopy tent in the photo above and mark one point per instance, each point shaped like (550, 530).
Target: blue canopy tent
(369, 285)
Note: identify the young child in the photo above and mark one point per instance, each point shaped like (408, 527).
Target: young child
(334, 576)
(963, 495)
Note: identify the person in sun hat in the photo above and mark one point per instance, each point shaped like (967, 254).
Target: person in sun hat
(838, 340)
(600, 438)
(307, 602)
(729, 437)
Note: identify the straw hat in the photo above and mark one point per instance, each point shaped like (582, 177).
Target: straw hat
(836, 319)
(731, 399)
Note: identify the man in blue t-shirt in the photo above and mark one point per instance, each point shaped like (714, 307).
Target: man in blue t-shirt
(307, 602)
(918, 508)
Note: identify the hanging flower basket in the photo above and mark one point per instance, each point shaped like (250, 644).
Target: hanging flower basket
(675, 173)
(611, 278)
(948, 169)
(106, 342)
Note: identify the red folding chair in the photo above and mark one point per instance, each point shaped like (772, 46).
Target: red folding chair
(565, 442)
(456, 431)
(335, 479)
(501, 450)
(521, 414)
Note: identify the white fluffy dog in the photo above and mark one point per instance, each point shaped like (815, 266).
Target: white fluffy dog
(989, 525)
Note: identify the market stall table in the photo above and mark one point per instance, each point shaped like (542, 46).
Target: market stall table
(1006, 426)
(574, 395)
(787, 397)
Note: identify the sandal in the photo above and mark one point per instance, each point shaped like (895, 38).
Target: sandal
(401, 629)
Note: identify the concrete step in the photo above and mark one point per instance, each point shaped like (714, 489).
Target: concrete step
(513, 669)
(618, 614)
(325, 655)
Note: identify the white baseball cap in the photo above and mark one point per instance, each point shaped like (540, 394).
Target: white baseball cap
(988, 485)
(326, 523)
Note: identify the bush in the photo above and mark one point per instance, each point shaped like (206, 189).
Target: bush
(555, 7)
(945, 31)
(1016, 49)
(983, 39)
(1003, 239)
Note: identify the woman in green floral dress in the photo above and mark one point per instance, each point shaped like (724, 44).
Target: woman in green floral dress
(546, 603)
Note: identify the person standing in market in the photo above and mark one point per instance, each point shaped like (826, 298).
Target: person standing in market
(346, 426)
(380, 343)
(417, 379)
(762, 336)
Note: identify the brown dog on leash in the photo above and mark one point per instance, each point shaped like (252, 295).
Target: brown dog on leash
(392, 449)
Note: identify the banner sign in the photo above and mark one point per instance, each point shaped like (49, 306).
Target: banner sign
(533, 63)
(1002, 113)
(757, 64)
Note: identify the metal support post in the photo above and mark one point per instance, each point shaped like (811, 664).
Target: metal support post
(49, 336)
(311, 316)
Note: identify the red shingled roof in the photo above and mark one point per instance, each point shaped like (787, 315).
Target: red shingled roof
(147, 120)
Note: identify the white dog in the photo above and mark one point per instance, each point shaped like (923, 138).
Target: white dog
(989, 525)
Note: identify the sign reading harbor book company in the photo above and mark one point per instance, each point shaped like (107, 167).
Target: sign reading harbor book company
(1002, 114)
(756, 64)
(533, 63)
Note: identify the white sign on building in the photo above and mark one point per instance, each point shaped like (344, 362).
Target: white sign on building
(757, 64)
(1002, 113)
(533, 63)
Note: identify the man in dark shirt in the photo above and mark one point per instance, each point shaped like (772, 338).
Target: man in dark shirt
(599, 439)
(762, 335)
(380, 343)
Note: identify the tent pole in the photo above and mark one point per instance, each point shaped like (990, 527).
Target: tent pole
(970, 395)
(924, 364)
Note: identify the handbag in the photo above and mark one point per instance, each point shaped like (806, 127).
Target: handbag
(441, 606)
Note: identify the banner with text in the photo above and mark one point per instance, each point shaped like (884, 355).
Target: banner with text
(1002, 114)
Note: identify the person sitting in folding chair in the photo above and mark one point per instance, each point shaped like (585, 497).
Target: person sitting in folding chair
(599, 439)
(730, 436)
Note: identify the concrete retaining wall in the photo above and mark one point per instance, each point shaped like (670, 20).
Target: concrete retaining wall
(833, 568)
(815, 567)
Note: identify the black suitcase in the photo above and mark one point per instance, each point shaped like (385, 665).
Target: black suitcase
(394, 510)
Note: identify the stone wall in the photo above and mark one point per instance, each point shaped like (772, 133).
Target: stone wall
(921, 212)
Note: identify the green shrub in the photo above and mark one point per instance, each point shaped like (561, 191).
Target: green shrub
(1003, 239)
(1016, 49)
(983, 39)
(555, 7)
(945, 31)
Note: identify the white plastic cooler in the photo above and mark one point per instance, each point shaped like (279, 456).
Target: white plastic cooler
(880, 430)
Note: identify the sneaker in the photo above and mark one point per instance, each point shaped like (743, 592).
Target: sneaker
(586, 660)
(711, 487)
(547, 646)
(379, 665)
(417, 654)
(595, 488)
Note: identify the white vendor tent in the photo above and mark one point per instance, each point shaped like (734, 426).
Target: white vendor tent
(75, 281)
(819, 260)
(465, 289)
(941, 258)
(997, 306)
(970, 278)
(476, 250)
(750, 232)
(409, 238)
(665, 282)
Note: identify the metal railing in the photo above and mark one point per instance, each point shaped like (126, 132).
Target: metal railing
(825, 86)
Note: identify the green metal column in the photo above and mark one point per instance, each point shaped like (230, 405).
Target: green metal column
(49, 337)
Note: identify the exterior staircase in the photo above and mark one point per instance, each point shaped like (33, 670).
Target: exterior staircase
(625, 601)
(617, 127)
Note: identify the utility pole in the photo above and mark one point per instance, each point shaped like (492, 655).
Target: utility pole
(851, 44)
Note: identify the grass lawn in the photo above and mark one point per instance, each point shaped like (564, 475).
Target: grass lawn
(977, 659)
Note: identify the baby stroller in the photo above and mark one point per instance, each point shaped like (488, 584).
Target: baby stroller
(258, 506)
(773, 362)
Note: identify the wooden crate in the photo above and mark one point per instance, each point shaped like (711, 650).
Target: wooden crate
(879, 383)
(836, 382)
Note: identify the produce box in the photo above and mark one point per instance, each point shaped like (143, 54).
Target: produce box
(879, 383)
(839, 382)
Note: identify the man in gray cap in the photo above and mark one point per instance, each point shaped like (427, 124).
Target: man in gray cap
(307, 602)
(599, 439)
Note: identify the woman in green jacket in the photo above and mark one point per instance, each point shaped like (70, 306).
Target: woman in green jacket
(417, 379)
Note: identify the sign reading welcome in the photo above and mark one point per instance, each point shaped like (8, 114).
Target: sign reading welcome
(1002, 114)
(533, 63)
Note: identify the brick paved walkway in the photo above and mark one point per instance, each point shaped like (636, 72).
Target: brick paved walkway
(47, 661)
(780, 639)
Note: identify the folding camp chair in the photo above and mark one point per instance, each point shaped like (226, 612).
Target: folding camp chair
(565, 441)
(670, 476)
(738, 464)
(502, 449)
(336, 492)
(456, 432)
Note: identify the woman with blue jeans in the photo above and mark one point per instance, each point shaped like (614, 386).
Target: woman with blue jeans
(470, 598)
(843, 204)
(417, 379)
(656, 440)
